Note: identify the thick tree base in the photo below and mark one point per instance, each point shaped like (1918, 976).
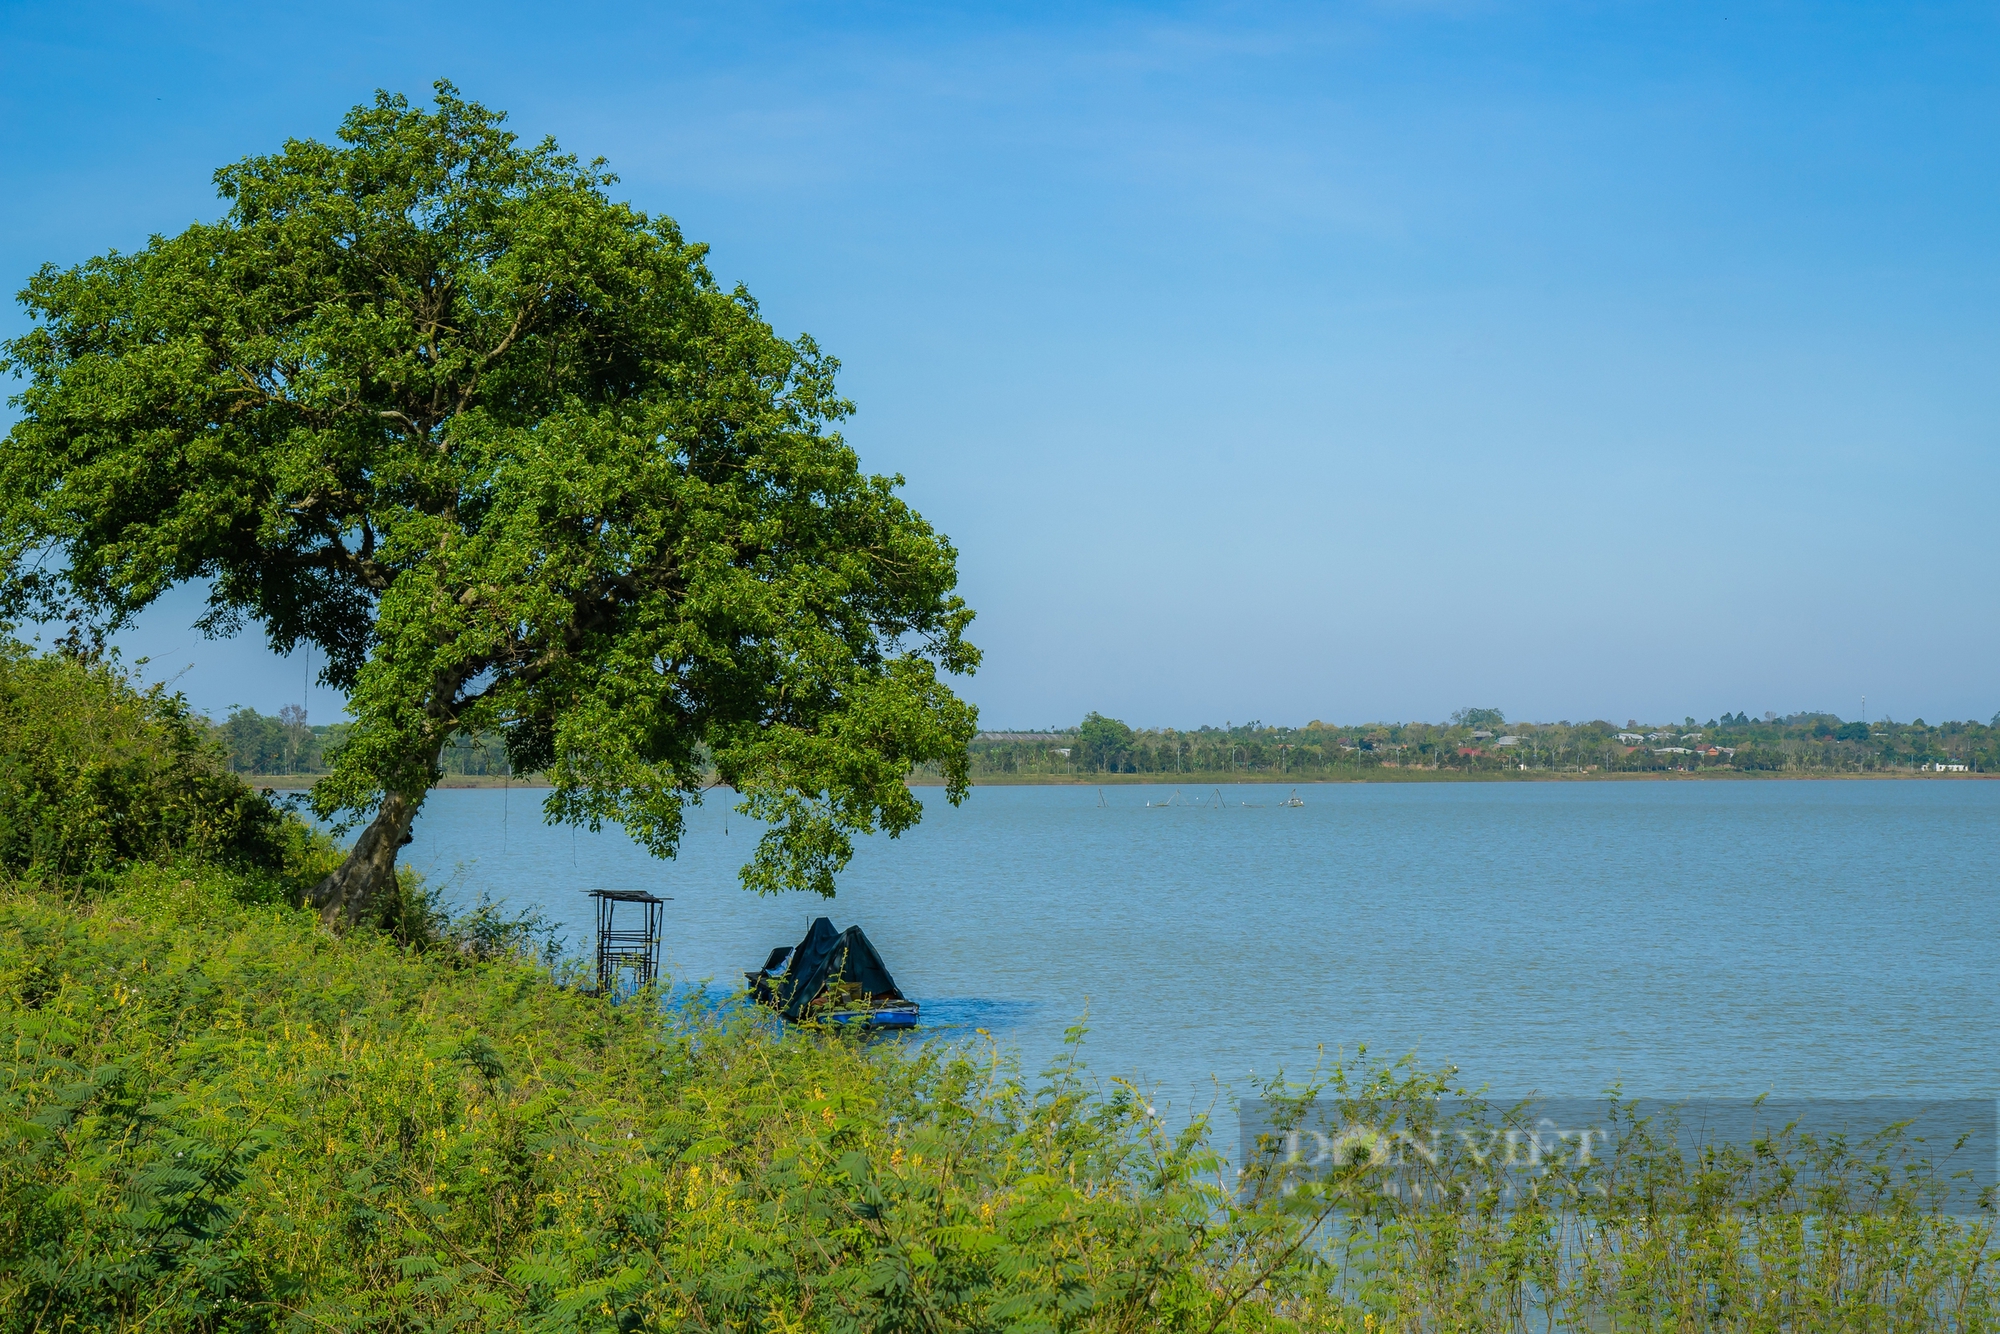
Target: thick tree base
(354, 893)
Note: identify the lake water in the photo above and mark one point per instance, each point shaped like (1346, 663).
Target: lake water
(1678, 938)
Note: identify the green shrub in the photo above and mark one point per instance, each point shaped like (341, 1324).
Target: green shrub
(96, 776)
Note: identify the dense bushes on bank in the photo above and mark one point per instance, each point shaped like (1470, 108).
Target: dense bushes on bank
(96, 776)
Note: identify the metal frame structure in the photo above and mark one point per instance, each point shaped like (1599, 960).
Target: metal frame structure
(633, 947)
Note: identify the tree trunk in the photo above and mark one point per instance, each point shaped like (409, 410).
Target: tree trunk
(352, 893)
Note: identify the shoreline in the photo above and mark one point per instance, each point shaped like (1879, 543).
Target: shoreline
(305, 782)
(1437, 776)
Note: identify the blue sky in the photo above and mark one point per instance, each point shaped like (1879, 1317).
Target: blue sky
(1337, 361)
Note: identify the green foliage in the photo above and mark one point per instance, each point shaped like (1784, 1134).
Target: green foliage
(239, 1122)
(1452, 1229)
(1755, 758)
(1478, 718)
(258, 743)
(1103, 743)
(1802, 744)
(503, 451)
(219, 1117)
(95, 776)
(255, 744)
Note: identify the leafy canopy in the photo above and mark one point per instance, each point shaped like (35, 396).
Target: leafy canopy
(1103, 742)
(503, 451)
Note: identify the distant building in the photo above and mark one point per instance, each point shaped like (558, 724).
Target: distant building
(1659, 736)
(1952, 768)
(1672, 750)
(1630, 738)
(1482, 736)
(1508, 741)
(1690, 736)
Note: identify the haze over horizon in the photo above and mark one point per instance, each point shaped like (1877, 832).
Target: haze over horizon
(1356, 363)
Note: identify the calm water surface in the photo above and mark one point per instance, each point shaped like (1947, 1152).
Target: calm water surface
(1830, 938)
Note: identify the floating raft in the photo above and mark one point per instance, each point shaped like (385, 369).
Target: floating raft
(831, 977)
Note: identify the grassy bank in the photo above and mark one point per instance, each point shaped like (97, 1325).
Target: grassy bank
(219, 1117)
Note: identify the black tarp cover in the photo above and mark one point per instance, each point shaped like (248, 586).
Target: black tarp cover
(827, 957)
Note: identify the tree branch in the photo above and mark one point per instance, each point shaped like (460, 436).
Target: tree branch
(371, 573)
(499, 349)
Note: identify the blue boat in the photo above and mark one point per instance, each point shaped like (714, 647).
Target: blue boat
(891, 1014)
(831, 977)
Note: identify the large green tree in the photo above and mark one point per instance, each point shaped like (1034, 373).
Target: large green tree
(501, 448)
(1103, 743)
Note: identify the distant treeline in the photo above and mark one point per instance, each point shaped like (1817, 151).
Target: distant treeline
(258, 743)
(1482, 740)
(1472, 741)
